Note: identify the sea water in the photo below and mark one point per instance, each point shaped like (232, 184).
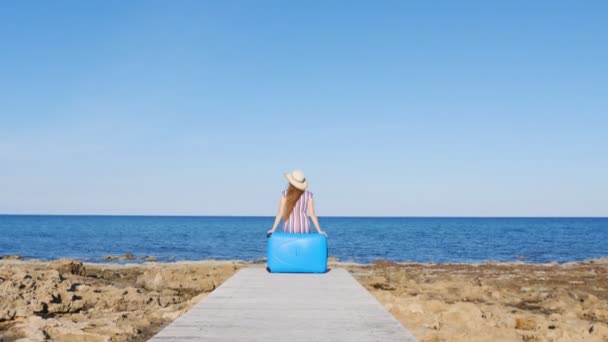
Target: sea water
(356, 239)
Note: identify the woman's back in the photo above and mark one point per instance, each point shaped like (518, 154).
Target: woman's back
(295, 207)
(298, 221)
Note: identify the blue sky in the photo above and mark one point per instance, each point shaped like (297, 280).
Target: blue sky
(423, 108)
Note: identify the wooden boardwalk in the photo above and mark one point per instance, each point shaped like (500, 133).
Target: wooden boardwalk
(254, 305)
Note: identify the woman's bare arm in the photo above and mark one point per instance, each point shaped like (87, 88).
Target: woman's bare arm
(277, 219)
(313, 216)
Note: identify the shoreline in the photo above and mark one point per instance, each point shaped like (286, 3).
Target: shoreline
(145, 260)
(70, 300)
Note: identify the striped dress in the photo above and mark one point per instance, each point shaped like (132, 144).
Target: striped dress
(298, 221)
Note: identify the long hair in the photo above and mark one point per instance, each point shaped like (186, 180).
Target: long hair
(293, 195)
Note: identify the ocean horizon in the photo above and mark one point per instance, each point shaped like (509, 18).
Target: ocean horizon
(320, 217)
(351, 239)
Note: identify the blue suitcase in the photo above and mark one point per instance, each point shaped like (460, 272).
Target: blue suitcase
(297, 253)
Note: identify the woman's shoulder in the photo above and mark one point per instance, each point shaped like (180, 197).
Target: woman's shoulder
(308, 194)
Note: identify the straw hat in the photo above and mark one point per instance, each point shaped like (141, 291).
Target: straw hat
(297, 179)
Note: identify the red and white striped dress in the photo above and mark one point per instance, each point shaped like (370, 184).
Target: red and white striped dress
(298, 221)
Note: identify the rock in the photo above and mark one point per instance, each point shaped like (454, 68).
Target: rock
(415, 308)
(525, 324)
(555, 317)
(576, 282)
(175, 279)
(53, 301)
(7, 314)
(152, 280)
(10, 257)
(466, 315)
(384, 264)
(223, 270)
(171, 315)
(68, 266)
(127, 256)
(259, 261)
(598, 330)
(34, 329)
(598, 261)
(43, 292)
(78, 337)
(598, 315)
(148, 258)
(384, 287)
(377, 279)
(165, 301)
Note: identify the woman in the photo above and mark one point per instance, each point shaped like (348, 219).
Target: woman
(294, 205)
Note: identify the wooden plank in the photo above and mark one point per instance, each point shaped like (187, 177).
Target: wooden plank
(255, 305)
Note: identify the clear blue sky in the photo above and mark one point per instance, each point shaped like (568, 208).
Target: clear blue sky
(466, 108)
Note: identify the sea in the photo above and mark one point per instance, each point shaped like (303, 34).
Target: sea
(351, 239)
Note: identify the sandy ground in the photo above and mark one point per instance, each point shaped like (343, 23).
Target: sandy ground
(67, 301)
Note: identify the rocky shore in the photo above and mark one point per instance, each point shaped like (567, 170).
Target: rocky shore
(66, 300)
(494, 301)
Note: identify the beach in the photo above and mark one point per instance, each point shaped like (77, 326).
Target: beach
(494, 301)
(66, 300)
